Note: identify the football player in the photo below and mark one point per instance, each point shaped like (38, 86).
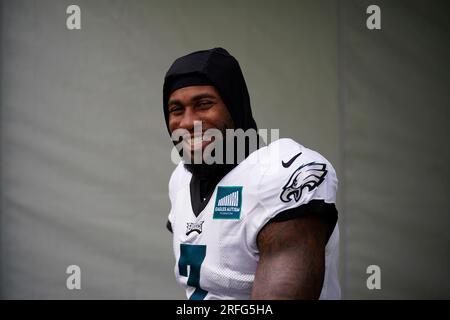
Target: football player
(264, 227)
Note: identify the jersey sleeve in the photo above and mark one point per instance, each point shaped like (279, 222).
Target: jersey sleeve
(296, 177)
(173, 182)
(170, 216)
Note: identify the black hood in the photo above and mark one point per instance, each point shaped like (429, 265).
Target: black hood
(220, 69)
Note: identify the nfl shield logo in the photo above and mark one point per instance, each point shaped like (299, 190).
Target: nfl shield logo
(228, 203)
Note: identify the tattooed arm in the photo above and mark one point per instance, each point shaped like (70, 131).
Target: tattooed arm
(292, 258)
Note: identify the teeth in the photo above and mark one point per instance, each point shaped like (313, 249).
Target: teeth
(193, 140)
(196, 140)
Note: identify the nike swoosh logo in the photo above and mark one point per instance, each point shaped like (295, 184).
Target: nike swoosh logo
(288, 164)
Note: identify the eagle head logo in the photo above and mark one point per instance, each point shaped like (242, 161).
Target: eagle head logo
(309, 176)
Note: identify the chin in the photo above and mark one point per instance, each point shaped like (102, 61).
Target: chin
(201, 170)
(208, 171)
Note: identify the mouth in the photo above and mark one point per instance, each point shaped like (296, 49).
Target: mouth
(197, 142)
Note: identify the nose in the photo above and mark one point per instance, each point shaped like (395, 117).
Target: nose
(188, 119)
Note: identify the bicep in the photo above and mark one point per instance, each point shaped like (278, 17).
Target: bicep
(292, 259)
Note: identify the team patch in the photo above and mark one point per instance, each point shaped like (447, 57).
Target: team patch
(194, 226)
(309, 175)
(228, 203)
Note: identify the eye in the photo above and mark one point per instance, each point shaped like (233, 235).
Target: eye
(204, 104)
(175, 109)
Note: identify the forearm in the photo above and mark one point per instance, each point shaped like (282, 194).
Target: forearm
(283, 278)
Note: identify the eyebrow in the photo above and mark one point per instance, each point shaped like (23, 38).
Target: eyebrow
(194, 98)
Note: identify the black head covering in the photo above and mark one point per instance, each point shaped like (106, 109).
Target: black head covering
(218, 68)
(212, 67)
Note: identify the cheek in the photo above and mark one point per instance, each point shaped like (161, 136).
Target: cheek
(226, 122)
(222, 118)
(230, 122)
(173, 123)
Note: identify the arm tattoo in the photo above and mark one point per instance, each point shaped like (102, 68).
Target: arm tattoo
(292, 259)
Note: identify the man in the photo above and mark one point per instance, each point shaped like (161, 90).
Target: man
(262, 228)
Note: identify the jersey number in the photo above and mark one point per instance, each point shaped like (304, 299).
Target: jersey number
(192, 255)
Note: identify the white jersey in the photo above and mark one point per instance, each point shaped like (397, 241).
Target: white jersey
(216, 252)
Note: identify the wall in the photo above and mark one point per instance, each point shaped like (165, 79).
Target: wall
(85, 152)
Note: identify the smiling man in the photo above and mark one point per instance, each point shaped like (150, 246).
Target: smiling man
(201, 106)
(264, 227)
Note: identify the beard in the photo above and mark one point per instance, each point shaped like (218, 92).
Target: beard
(210, 170)
(220, 167)
(207, 171)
